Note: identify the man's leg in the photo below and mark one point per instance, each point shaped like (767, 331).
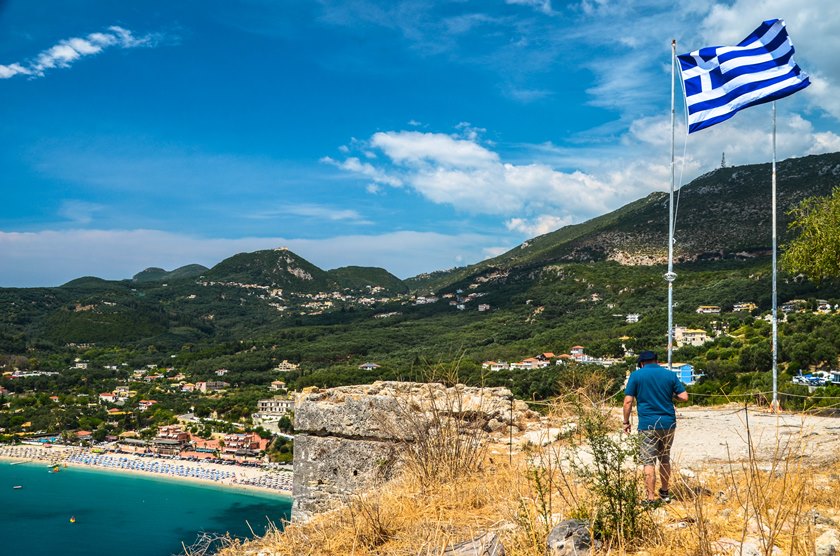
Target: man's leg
(665, 460)
(650, 482)
(647, 455)
(664, 475)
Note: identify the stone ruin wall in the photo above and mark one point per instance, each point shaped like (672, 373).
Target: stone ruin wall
(348, 438)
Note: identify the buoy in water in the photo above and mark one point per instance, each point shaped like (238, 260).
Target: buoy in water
(73, 519)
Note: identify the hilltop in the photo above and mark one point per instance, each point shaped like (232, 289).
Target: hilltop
(724, 214)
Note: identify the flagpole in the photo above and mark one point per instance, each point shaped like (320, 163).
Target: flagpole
(670, 276)
(774, 319)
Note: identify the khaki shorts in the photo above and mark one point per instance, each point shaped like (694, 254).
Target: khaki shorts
(655, 445)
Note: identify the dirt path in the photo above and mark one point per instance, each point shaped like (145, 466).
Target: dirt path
(718, 435)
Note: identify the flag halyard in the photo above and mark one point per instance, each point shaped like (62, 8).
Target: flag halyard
(719, 81)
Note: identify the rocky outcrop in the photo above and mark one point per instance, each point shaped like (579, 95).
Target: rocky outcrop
(349, 439)
(487, 544)
(571, 538)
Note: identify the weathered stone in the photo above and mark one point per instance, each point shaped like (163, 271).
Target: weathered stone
(349, 436)
(571, 538)
(487, 544)
(378, 410)
(329, 469)
(827, 544)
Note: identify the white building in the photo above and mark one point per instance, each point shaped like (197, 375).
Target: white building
(689, 336)
(276, 406)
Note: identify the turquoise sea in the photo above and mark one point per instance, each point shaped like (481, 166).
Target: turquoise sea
(119, 513)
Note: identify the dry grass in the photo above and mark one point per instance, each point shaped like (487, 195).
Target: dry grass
(765, 500)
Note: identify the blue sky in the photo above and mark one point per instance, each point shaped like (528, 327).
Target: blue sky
(412, 135)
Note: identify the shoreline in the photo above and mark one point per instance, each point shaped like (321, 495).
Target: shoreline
(253, 480)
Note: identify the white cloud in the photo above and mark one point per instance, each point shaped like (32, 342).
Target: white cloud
(79, 212)
(461, 172)
(66, 52)
(526, 96)
(414, 148)
(538, 226)
(495, 251)
(353, 164)
(313, 211)
(543, 6)
(50, 258)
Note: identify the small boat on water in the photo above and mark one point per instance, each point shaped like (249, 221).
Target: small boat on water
(72, 519)
(16, 487)
(18, 462)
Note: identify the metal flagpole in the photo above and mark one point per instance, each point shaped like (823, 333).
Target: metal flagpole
(670, 276)
(774, 320)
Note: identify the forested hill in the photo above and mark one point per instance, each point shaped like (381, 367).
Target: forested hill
(724, 214)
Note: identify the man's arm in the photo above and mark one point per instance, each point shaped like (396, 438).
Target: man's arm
(682, 396)
(628, 407)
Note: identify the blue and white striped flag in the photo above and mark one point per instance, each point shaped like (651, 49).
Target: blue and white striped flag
(721, 80)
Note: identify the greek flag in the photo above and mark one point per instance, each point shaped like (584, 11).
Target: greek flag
(721, 80)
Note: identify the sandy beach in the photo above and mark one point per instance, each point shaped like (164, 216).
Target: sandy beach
(255, 479)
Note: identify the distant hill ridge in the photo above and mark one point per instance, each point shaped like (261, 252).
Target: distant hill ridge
(154, 274)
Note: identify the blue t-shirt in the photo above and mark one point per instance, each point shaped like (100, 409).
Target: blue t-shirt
(654, 388)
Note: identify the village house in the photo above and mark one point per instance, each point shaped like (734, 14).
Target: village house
(277, 385)
(823, 306)
(495, 365)
(222, 372)
(690, 336)
(744, 307)
(632, 318)
(276, 406)
(107, 397)
(685, 372)
(143, 405)
(529, 364)
(368, 366)
(577, 354)
(211, 386)
(124, 392)
(482, 307)
(242, 446)
(188, 387)
(793, 306)
(708, 309)
(285, 366)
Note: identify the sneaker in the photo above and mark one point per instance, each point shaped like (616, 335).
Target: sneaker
(664, 496)
(650, 504)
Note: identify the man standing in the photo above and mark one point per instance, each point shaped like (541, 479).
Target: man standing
(654, 388)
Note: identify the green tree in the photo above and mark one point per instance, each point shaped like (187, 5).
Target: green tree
(816, 251)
